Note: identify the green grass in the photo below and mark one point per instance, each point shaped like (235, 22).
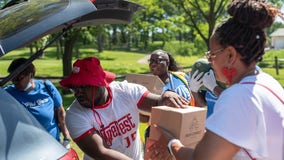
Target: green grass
(119, 62)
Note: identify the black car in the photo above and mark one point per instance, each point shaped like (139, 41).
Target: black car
(23, 22)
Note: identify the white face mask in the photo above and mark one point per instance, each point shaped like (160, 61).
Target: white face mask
(29, 85)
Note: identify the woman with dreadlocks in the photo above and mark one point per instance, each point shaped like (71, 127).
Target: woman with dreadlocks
(248, 119)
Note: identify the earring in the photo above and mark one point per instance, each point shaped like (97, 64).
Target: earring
(229, 73)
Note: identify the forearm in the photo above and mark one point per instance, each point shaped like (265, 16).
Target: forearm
(199, 99)
(110, 154)
(114, 155)
(149, 101)
(62, 124)
(181, 152)
(168, 98)
(218, 90)
(94, 146)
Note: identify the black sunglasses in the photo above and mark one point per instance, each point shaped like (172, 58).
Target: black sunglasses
(156, 61)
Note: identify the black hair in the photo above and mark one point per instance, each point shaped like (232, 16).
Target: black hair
(173, 66)
(245, 29)
(18, 62)
(172, 63)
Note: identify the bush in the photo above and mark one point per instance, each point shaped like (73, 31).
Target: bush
(180, 48)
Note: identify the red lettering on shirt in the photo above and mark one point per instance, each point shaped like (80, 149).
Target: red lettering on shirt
(117, 128)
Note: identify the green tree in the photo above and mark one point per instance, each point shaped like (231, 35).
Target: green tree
(154, 22)
(202, 16)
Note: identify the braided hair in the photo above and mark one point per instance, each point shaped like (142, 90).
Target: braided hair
(172, 63)
(245, 29)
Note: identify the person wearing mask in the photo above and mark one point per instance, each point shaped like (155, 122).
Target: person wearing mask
(40, 98)
(247, 122)
(103, 120)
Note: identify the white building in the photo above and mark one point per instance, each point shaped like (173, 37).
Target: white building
(277, 39)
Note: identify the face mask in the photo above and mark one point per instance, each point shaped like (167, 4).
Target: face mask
(28, 86)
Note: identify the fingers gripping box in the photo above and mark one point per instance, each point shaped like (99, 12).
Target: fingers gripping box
(185, 124)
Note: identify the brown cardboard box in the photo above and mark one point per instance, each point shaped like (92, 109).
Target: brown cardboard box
(153, 83)
(185, 124)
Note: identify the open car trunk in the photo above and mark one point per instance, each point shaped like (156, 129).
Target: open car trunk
(23, 22)
(26, 22)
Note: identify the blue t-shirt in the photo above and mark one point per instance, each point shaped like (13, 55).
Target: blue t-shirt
(210, 99)
(177, 85)
(40, 104)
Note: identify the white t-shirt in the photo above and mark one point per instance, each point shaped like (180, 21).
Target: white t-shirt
(120, 119)
(251, 117)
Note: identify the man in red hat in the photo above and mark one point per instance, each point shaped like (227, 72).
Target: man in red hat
(104, 118)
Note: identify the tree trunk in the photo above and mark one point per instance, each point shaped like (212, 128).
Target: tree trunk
(58, 48)
(31, 50)
(129, 42)
(67, 55)
(100, 43)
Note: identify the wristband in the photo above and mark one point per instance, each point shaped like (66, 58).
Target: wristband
(170, 145)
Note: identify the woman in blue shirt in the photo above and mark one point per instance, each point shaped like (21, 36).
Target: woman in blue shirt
(40, 98)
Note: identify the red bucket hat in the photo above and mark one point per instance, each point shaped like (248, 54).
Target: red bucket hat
(88, 71)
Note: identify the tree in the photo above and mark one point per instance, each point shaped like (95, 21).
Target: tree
(69, 41)
(154, 22)
(202, 16)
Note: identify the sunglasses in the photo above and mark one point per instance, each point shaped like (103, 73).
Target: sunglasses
(156, 61)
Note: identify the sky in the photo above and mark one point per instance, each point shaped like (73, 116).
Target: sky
(279, 19)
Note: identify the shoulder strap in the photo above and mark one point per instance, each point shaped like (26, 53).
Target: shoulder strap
(282, 101)
(55, 109)
(48, 90)
(181, 76)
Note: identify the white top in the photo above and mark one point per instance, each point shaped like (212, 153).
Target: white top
(251, 117)
(120, 119)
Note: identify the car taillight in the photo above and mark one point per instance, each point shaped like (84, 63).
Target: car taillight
(70, 155)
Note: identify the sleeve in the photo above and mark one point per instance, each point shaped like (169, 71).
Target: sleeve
(78, 122)
(56, 96)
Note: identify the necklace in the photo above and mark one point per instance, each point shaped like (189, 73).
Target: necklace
(251, 72)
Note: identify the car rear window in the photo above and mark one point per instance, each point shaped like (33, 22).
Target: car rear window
(22, 15)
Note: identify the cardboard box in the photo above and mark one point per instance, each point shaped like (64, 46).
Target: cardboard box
(153, 83)
(185, 124)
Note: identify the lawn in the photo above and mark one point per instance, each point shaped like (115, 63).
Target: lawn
(119, 62)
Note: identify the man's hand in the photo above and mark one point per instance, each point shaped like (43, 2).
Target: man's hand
(172, 99)
(195, 81)
(209, 80)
